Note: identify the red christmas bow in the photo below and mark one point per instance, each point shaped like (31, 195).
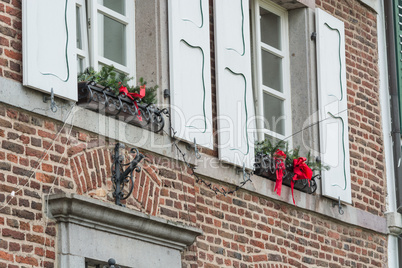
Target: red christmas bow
(301, 171)
(133, 96)
(279, 157)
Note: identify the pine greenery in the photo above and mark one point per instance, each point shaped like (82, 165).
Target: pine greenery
(108, 77)
(269, 148)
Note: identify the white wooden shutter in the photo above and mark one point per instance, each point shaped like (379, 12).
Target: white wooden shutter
(190, 70)
(49, 49)
(333, 115)
(235, 106)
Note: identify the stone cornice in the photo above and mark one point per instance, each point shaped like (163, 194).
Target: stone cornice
(92, 213)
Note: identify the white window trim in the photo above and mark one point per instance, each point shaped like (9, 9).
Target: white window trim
(87, 229)
(83, 52)
(259, 88)
(90, 25)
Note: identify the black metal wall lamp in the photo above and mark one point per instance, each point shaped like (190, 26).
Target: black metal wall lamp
(119, 176)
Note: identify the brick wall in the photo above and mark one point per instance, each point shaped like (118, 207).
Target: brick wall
(10, 39)
(241, 230)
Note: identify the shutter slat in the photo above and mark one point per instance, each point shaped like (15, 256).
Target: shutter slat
(49, 47)
(398, 47)
(333, 116)
(235, 105)
(190, 71)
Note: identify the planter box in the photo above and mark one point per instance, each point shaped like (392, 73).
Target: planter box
(264, 167)
(102, 100)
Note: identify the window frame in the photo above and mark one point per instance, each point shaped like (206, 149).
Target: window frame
(259, 88)
(82, 53)
(90, 45)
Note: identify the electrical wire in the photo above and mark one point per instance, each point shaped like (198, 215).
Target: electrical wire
(33, 171)
(198, 179)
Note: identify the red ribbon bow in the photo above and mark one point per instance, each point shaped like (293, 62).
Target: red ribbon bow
(301, 171)
(279, 157)
(133, 96)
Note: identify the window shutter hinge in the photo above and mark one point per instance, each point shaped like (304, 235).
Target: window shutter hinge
(313, 36)
(89, 23)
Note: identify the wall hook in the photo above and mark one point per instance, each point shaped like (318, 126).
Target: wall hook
(53, 106)
(313, 36)
(334, 204)
(246, 176)
(197, 153)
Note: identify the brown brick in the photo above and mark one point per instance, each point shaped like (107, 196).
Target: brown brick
(13, 75)
(25, 214)
(14, 234)
(167, 173)
(27, 248)
(13, 223)
(76, 149)
(16, 148)
(14, 246)
(23, 172)
(12, 54)
(35, 239)
(7, 31)
(6, 256)
(36, 153)
(168, 212)
(27, 260)
(15, 67)
(5, 166)
(5, 123)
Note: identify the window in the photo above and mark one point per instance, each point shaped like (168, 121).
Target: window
(271, 70)
(105, 35)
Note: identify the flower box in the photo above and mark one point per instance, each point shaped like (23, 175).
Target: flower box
(102, 100)
(265, 167)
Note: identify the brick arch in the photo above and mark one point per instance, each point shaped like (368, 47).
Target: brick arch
(91, 170)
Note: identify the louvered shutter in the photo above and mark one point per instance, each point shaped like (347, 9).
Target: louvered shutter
(333, 115)
(235, 106)
(190, 70)
(49, 49)
(398, 52)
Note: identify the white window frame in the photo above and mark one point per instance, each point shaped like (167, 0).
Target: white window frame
(259, 88)
(83, 52)
(90, 25)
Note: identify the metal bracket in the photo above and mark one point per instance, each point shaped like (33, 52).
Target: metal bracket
(53, 106)
(334, 204)
(190, 146)
(120, 177)
(313, 36)
(166, 93)
(246, 176)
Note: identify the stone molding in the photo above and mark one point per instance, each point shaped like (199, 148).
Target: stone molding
(92, 213)
(394, 223)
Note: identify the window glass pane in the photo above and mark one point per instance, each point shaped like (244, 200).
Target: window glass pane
(270, 28)
(112, 38)
(78, 23)
(274, 114)
(271, 71)
(80, 65)
(115, 5)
